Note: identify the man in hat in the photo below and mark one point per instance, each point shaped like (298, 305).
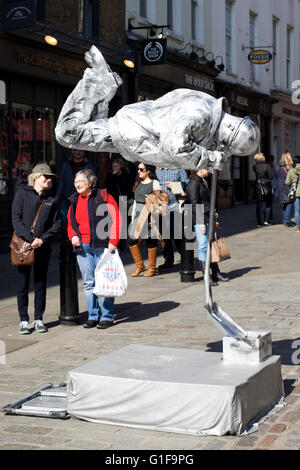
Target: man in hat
(182, 129)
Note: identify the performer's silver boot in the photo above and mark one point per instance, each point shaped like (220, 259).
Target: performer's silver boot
(100, 74)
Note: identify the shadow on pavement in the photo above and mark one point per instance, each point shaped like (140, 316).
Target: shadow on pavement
(240, 272)
(138, 311)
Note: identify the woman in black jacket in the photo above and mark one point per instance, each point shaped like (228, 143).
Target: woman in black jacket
(198, 195)
(263, 189)
(25, 206)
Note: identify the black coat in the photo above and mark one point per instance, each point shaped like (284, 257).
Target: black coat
(120, 185)
(264, 174)
(282, 188)
(198, 193)
(24, 208)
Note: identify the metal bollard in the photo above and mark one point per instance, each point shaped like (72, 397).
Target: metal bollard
(187, 270)
(69, 309)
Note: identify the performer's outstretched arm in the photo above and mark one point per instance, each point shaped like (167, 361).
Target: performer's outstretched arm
(83, 123)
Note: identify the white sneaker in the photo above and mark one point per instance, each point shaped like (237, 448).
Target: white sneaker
(39, 326)
(24, 328)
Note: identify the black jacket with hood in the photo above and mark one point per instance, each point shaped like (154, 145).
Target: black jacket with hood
(24, 208)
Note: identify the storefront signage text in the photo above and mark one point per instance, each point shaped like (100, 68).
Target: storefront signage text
(49, 63)
(197, 82)
(242, 100)
(260, 57)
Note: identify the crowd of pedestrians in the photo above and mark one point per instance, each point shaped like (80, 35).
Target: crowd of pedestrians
(75, 214)
(281, 182)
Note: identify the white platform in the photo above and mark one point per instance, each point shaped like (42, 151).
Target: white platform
(174, 390)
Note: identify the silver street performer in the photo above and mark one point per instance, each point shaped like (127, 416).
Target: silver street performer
(182, 129)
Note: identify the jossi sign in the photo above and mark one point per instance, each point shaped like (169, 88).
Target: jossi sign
(260, 57)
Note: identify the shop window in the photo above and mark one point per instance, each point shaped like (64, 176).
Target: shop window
(4, 165)
(45, 137)
(89, 17)
(22, 149)
(290, 137)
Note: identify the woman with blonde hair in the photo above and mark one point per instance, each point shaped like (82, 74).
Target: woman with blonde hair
(263, 189)
(280, 174)
(26, 204)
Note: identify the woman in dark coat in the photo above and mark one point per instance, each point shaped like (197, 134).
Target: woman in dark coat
(25, 206)
(263, 189)
(198, 195)
(280, 174)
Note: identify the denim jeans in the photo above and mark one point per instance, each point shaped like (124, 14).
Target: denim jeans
(259, 208)
(87, 260)
(40, 270)
(202, 241)
(287, 212)
(297, 211)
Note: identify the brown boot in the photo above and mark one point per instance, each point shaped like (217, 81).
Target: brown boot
(137, 257)
(151, 262)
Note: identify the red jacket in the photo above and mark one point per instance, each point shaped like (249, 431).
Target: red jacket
(104, 219)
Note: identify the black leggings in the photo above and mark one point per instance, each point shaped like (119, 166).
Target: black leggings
(40, 270)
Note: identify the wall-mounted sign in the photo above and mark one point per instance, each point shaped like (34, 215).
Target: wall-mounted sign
(154, 51)
(2, 92)
(242, 100)
(260, 57)
(18, 14)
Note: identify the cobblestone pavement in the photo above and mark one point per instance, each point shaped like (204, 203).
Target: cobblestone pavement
(262, 295)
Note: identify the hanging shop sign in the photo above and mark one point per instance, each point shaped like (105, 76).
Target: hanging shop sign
(18, 14)
(260, 57)
(154, 51)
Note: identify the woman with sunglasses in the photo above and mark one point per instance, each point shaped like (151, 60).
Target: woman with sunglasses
(26, 203)
(147, 183)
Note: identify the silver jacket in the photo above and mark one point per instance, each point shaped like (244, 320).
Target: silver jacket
(177, 130)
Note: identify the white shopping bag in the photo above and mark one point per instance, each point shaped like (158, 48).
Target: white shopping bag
(110, 276)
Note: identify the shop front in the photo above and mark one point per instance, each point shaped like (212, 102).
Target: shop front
(37, 82)
(285, 126)
(236, 181)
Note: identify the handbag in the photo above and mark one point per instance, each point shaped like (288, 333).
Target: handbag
(293, 190)
(219, 250)
(110, 276)
(265, 189)
(21, 252)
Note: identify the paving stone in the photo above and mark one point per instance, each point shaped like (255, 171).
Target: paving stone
(292, 417)
(27, 430)
(293, 444)
(247, 441)
(268, 440)
(18, 447)
(277, 428)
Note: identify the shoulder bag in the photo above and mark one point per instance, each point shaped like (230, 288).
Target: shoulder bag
(293, 190)
(21, 252)
(219, 250)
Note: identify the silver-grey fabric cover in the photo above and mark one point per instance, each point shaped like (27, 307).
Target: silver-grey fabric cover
(178, 130)
(173, 390)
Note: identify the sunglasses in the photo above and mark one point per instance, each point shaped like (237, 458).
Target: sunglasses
(141, 169)
(48, 177)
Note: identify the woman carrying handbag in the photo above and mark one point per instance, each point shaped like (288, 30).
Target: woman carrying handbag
(28, 200)
(198, 195)
(146, 185)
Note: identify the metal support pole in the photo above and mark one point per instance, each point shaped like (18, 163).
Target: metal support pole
(207, 285)
(69, 309)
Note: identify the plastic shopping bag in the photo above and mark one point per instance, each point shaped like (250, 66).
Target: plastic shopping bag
(110, 276)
